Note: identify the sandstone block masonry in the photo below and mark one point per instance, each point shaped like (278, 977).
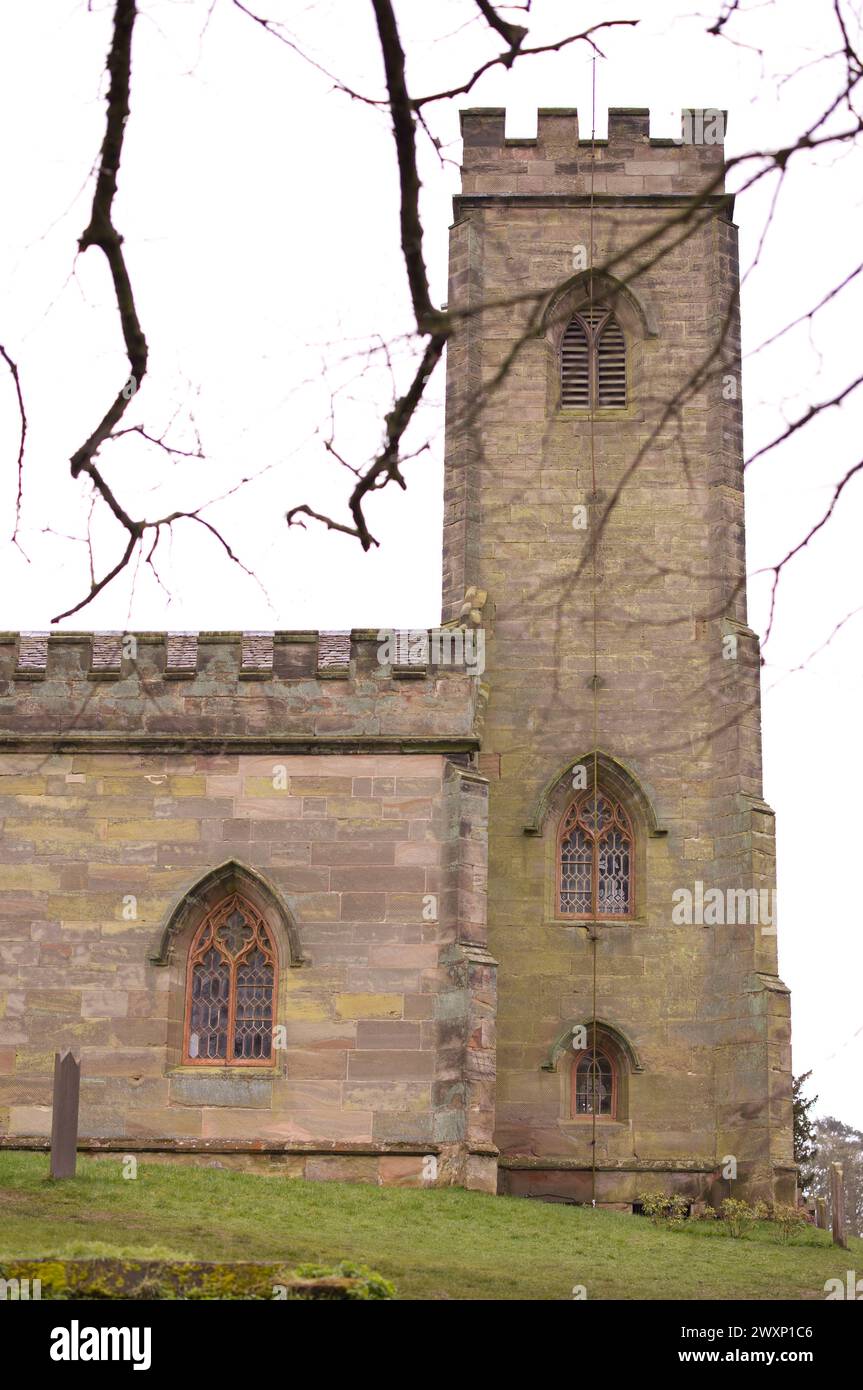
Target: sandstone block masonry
(140, 776)
(376, 810)
(695, 1015)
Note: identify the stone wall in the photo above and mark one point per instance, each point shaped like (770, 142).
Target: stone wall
(242, 691)
(346, 791)
(341, 801)
(677, 721)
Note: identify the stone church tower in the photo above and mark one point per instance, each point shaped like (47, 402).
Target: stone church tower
(637, 647)
(350, 905)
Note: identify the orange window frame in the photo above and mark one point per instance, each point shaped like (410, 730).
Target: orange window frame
(619, 820)
(205, 937)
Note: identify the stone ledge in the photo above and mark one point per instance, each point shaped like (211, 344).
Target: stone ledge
(130, 1144)
(237, 743)
(720, 202)
(623, 1165)
(384, 1164)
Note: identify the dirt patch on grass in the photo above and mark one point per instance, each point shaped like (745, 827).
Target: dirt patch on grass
(33, 1204)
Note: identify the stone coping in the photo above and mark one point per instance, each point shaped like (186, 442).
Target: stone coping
(85, 742)
(622, 1165)
(347, 1148)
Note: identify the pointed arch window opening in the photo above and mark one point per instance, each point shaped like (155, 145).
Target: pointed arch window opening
(593, 361)
(230, 989)
(596, 853)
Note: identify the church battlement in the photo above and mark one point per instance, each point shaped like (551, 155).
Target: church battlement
(558, 159)
(371, 686)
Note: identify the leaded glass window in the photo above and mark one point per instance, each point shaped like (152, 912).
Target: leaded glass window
(231, 987)
(594, 1089)
(595, 859)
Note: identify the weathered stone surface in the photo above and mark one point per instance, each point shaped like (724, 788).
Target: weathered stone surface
(701, 1005)
(230, 1090)
(343, 779)
(131, 704)
(131, 837)
(181, 653)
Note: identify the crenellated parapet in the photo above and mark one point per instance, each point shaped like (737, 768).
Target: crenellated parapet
(248, 689)
(559, 160)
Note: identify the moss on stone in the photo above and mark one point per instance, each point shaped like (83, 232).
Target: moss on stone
(118, 1278)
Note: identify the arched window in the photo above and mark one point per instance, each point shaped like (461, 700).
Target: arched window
(230, 990)
(593, 360)
(595, 859)
(594, 1084)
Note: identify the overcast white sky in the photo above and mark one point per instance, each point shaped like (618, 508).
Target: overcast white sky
(259, 209)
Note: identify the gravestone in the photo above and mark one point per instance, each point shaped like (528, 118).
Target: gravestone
(837, 1202)
(64, 1116)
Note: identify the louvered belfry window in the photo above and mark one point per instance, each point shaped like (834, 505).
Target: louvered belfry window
(593, 361)
(230, 990)
(595, 859)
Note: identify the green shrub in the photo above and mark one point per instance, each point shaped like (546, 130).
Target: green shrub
(788, 1219)
(662, 1209)
(738, 1216)
(706, 1213)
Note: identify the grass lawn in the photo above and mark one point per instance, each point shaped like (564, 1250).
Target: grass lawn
(433, 1243)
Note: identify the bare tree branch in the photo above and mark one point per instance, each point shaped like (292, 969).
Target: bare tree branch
(805, 418)
(385, 468)
(513, 34)
(728, 10)
(96, 586)
(428, 319)
(777, 569)
(275, 27)
(101, 232)
(507, 59)
(22, 439)
(433, 326)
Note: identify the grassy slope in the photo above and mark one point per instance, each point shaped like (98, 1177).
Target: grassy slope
(441, 1243)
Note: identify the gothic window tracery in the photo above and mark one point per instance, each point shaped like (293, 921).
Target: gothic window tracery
(230, 993)
(596, 859)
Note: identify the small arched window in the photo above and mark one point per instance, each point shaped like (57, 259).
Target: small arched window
(596, 859)
(593, 361)
(230, 990)
(594, 1084)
